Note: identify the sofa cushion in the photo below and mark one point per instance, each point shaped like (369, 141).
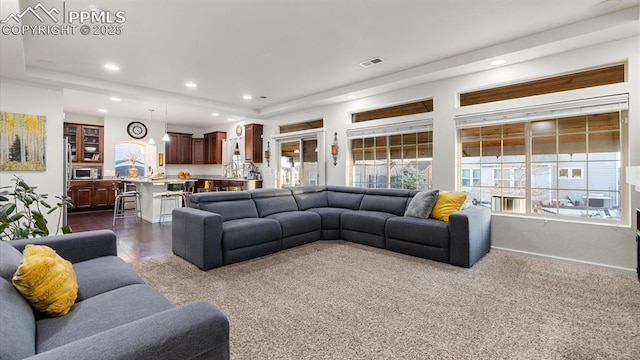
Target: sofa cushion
(371, 222)
(344, 197)
(99, 313)
(297, 222)
(447, 204)
(272, 201)
(10, 259)
(46, 280)
(241, 233)
(231, 210)
(18, 330)
(391, 201)
(308, 197)
(421, 205)
(94, 280)
(429, 232)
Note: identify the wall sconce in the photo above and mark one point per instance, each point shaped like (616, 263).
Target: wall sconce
(334, 149)
(267, 153)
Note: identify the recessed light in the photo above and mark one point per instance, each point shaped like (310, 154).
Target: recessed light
(247, 97)
(230, 119)
(111, 67)
(497, 62)
(116, 99)
(191, 84)
(351, 97)
(102, 110)
(215, 114)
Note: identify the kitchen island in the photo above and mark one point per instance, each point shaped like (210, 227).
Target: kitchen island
(150, 199)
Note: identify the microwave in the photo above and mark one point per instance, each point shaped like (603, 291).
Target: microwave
(85, 173)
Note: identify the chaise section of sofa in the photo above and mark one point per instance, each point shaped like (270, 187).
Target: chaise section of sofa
(116, 315)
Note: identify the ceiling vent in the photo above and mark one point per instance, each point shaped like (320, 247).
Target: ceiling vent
(370, 62)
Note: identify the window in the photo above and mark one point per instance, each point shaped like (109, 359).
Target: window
(401, 161)
(566, 166)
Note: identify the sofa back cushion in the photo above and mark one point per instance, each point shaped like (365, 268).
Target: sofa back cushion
(17, 324)
(10, 259)
(230, 204)
(344, 197)
(273, 201)
(392, 201)
(308, 197)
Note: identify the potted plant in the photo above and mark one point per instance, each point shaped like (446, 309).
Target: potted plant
(21, 211)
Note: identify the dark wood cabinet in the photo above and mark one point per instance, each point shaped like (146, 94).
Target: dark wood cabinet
(197, 151)
(253, 143)
(178, 149)
(91, 195)
(87, 142)
(82, 194)
(213, 147)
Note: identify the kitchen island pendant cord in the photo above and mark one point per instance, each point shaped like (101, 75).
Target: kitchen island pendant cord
(166, 137)
(151, 141)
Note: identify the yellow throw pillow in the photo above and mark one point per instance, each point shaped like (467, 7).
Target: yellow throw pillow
(46, 280)
(447, 204)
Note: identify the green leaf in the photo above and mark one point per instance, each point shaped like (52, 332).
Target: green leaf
(66, 229)
(7, 209)
(45, 204)
(16, 217)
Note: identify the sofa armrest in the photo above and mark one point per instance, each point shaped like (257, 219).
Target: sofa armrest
(193, 331)
(76, 247)
(469, 235)
(196, 236)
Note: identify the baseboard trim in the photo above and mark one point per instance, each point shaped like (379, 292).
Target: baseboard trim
(612, 267)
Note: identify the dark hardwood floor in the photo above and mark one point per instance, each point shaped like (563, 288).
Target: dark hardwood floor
(135, 241)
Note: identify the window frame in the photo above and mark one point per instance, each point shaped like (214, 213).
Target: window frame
(528, 115)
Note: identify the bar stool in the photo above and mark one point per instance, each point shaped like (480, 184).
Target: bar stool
(125, 197)
(189, 188)
(172, 195)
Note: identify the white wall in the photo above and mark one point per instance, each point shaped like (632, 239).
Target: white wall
(601, 244)
(28, 99)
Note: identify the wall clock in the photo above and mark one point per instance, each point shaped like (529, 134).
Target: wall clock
(137, 130)
(239, 130)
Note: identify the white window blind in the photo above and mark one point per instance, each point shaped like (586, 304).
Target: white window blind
(597, 105)
(389, 129)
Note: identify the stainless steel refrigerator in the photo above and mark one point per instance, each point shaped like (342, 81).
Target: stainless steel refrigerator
(66, 179)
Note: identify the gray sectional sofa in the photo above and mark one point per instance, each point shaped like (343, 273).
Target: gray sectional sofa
(116, 316)
(221, 228)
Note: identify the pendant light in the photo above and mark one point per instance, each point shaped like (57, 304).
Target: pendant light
(165, 137)
(151, 141)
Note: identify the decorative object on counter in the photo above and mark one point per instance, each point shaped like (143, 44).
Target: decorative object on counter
(267, 153)
(28, 220)
(133, 170)
(334, 149)
(184, 175)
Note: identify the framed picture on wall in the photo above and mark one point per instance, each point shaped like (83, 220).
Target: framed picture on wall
(160, 159)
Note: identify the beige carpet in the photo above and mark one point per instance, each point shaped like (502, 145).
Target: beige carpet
(339, 300)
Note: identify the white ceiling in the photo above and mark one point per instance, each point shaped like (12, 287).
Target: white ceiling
(296, 53)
